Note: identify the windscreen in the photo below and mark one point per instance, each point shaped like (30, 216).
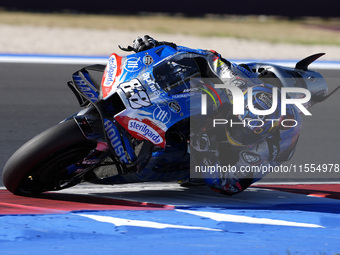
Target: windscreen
(173, 75)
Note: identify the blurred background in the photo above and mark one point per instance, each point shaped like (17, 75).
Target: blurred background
(285, 8)
(237, 29)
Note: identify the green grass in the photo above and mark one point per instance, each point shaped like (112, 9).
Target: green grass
(270, 29)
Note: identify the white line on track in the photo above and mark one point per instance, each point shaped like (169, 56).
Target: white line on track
(247, 219)
(53, 59)
(72, 59)
(211, 215)
(141, 223)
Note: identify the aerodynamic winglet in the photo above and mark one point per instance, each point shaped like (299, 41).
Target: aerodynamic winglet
(304, 63)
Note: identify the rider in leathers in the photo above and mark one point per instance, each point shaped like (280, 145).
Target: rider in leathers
(247, 150)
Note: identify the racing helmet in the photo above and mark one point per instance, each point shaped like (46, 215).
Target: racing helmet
(249, 128)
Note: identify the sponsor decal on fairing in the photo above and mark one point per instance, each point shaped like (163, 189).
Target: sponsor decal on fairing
(133, 64)
(162, 114)
(174, 107)
(145, 131)
(151, 83)
(84, 88)
(113, 134)
(147, 60)
(111, 71)
(111, 75)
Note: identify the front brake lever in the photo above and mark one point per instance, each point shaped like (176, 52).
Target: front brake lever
(129, 48)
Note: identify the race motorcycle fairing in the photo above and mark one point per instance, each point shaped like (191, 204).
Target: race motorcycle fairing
(136, 119)
(144, 98)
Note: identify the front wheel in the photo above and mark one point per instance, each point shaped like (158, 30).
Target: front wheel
(41, 163)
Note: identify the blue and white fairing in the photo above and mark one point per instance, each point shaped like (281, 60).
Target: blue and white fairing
(151, 91)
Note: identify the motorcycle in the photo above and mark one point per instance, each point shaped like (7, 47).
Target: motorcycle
(134, 125)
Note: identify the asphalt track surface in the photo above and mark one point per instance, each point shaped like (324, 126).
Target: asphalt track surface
(162, 218)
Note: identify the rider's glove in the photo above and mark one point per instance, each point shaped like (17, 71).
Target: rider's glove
(144, 43)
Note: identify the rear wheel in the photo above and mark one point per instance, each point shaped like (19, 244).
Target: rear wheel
(41, 163)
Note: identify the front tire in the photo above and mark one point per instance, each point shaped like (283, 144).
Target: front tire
(40, 164)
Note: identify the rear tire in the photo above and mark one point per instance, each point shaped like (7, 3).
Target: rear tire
(40, 164)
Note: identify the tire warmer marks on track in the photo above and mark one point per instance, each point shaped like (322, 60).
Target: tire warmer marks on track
(55, 203)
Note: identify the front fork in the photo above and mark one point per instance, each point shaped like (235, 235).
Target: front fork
(89, 123)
